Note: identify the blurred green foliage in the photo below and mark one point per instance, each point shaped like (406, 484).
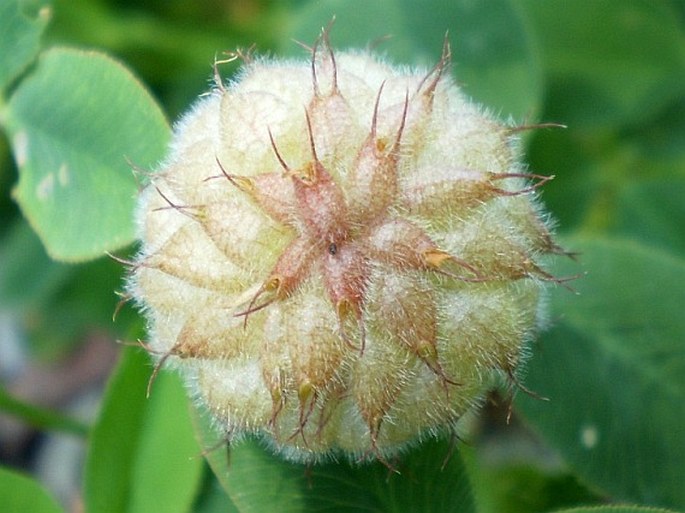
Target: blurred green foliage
(612, 362)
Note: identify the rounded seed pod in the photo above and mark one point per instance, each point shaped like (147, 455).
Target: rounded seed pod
(341, 256)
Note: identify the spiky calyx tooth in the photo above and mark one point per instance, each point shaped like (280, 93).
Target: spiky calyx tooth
(341, 256)
(463, 189)
(402, 244)
(408, 300)
(302, 361)
(331, 117)
(321, 204)
(345, 273)
(377, 386)
(290, 269)
(373, 178)
(272, 192)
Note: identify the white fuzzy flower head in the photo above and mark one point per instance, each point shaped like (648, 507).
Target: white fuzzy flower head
(341, 256)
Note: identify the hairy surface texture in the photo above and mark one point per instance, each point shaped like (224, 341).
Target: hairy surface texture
(341, 256)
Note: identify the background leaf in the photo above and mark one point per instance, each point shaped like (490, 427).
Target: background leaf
(492, 54)
(616, 509)
(19, 39)
(39, 417)
(257, 481)
(653, 211)
(212, 497)
(59, 305)
(21, 494)
(27, 274)
(143, 455)
(609, 62)
(72, 145)
(614, 368)
(508, 477)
